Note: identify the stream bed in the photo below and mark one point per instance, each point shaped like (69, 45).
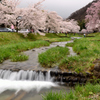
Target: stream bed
(28, 89)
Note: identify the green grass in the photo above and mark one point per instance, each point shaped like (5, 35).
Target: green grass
(12, 49)
(9, 38)
(52, 37)
(14, 43)
(19, 57)
(70, 44)
(87, 92)
(59, 39)
(87, 49)
(52, 56)
(59, 96)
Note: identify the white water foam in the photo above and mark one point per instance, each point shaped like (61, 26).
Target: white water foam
(25, 75)
(24, 85)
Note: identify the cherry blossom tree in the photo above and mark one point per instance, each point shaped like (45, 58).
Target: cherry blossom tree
(93, 17)
(63, 27)
(30, 17)
(52, 22)
(83, 31)
(7, 11)
(70, 26)
(74, 27)
(34, 17)
(55, 23)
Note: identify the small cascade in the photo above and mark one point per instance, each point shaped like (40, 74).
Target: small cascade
(25, 80)
(26, 75)
(47, 76)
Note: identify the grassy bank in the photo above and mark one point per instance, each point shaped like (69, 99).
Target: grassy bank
(52, 37)
(6, 51)
(52, 57)
(9, 38)
(11, 44)
(87, 49)
(87, 92)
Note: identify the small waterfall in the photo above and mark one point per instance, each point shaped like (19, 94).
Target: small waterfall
(25, 80)
(25, 75)
(37, 80)
(48, 77)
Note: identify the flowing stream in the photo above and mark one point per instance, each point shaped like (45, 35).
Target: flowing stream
(29, 84)
(32, 63)
(26, 85)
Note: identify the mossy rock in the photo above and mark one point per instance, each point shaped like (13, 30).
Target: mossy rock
(95, 68)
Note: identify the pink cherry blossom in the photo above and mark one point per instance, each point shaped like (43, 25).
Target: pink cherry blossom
(93, 17)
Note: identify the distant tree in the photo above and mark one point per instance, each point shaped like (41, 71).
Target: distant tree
(83, 31)
(75, 27)
(70, 26)
(52, 22)
(65, 27)
(93, 17)
(81, 23)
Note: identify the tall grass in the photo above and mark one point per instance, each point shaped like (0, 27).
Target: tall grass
(52, 56)
(13, 43)
(12, 49)
(87, 49)
(59, 96)
(19, 57)
(87, 92)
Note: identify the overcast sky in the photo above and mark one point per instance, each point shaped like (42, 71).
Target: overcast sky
(63, 7)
